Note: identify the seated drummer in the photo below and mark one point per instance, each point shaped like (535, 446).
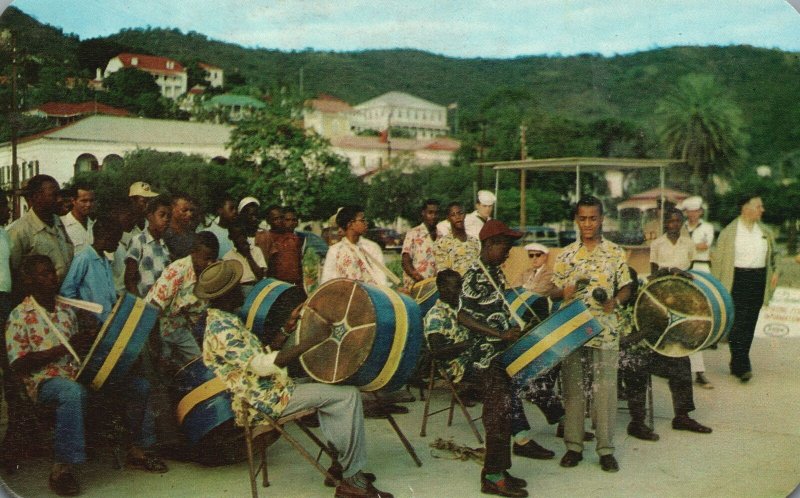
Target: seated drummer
(173, 293)
(637, 362)
(257, 374)
(484, 312)
(41, 336)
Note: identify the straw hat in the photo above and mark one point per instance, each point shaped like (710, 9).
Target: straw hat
(218, 278)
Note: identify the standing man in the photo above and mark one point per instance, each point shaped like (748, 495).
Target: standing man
(39, 230)
(139, 195)
(179, 237)
(585, 267)
(355, 256)
(474, 220)
(285, 262)
(456, 250)
(226, 216)
(744, 262)
(702, 235)
(418, 260)
(77, 222)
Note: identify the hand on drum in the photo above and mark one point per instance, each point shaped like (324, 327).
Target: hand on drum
(511, 335)
(569, 291)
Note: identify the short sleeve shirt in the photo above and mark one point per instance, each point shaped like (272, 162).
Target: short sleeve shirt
(419, 246)
(30, 235)
(152, 256)
(354, 261)
(668, 255)
(173, 292)
(80, 237)
(450, 252)
(480, 299)
(605, 268)
(27, 332)
(702, 233)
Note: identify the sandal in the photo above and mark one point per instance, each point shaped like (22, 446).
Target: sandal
(64, 484)
(148, 463)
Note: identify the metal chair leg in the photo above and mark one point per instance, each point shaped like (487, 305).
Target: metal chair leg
(426, 413)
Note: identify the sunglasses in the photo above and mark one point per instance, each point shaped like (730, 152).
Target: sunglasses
(535, 254)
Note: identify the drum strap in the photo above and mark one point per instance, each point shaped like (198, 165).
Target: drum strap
(60, 335)
(500, 293)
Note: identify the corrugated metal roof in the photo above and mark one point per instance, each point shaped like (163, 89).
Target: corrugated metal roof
(398, 99)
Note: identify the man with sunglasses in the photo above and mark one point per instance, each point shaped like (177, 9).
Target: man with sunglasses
(538, 277)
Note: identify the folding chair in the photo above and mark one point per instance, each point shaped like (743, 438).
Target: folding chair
(277, 428)
(437, 367)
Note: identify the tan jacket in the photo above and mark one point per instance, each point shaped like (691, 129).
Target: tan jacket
(722, 256)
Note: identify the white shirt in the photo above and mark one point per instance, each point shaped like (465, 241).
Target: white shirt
(701, 233)
(750, 247)
(248, 277)
(473, 224)
(668, 255)
(354, 261)
(81, 237)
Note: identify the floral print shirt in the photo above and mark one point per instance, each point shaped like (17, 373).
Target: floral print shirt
(151, 255)
(27, 332)
(419, 245)
(605, 268)
(354, 261)
(443, 319)
(173, 292)
(450, 252)
(228, 349)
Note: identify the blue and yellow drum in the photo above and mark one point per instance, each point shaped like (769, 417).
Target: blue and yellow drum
(119, 342)
(425, 294)
(680, 316)
(204, 404)
(375, 335)
(527, 305)
(551, 341)
(268, 295)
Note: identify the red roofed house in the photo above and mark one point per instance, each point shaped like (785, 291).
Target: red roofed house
(368, 155)
(170, 75)
(328, 116)
(63, 112)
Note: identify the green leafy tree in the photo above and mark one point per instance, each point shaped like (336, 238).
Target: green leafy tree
(701, 126)
(135, 91)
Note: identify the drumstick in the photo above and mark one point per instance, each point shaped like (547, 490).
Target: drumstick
(497, 289)
(79, 303)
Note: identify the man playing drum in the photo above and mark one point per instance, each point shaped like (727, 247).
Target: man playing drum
(417, 255)
(257, 373)
(43, 347)
(589, 268)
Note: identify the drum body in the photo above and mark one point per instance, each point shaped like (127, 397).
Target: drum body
(527, 305)
(119, 342)
(680, 316)
(204, 404)
(375, 335)
(551, 341)
(425, 294)
(266, 296)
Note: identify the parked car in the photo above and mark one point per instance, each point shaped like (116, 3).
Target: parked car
(535, 233)
(387, 238)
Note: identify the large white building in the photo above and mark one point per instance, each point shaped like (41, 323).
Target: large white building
(400, 111)
(95, 141)
(169, 74)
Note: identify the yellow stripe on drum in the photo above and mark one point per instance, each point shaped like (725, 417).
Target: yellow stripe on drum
(398, 343)
(199, 394)
(547, 342)
(251, 315)
(522, 298)
(723, 315)
(120, 344)
(100, 335)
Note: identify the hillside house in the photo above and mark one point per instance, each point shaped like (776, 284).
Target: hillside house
(215, 76)
(400, 111)
(328, 116)
(169, 74)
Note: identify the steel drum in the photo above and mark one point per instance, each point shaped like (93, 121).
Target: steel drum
(425, 294)
(543, 347)
(119, 342)
(680, 316)
(204, 404)
(268, 295)
(527, 305)
(375, 335)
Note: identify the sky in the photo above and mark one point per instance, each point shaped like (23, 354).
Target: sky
(458, 28)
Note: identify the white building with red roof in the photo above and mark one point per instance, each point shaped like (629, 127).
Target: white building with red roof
(67, 112)
(368, 155)
(216, 76)
(169, 74)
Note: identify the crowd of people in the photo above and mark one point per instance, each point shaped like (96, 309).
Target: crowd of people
(152, 246)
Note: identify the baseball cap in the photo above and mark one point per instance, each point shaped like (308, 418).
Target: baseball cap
(141, 189)
(493, 228)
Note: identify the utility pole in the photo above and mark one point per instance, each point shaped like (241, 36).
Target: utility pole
(389, 139)
(9, 39)
(301, 82)
(523, 154)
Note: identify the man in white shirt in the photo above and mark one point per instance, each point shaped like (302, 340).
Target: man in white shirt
(77, 222)
(473, 222)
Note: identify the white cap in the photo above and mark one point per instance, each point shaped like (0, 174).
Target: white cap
(141, 189)
(535, 246)
(692, 203)
(486, 198)
(244, 202)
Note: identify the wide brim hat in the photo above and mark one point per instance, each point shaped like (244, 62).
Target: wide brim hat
(218, 278)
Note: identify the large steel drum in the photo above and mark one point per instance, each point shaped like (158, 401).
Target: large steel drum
(260, 304)
(119, 342)
(543, 347)
(680, 316)
(375, 335)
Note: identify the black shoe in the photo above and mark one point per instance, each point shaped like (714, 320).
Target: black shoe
(684, 423)
(514, 482)
(745, 377)
(65, 484)
(571, 459)
(532, 449)
(608, 463)
(335, 470)
(587, 436)
(641, 431)
(501, 488)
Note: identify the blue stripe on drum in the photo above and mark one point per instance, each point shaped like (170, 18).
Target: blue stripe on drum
(426, 305)
(262, 303)
(580, 325)
(115, 325)
(721, 305)
(522, 302)
(398, 338)
(208, 414)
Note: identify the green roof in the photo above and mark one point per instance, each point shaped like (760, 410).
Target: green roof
(230, 100)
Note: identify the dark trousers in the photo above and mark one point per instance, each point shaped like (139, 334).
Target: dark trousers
(748, 295)
(497, 408)
(541, 392)
(635, 367)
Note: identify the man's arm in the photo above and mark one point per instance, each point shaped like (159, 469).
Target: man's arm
(474, 325)
(409, 269)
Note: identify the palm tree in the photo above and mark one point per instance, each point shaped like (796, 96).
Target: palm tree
(700, 126)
